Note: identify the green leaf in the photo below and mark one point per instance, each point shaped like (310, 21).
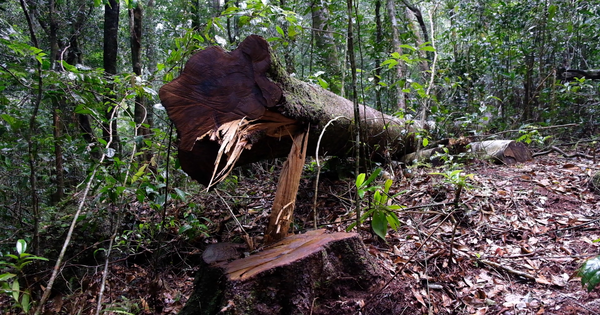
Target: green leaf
(387, 185)
(292, 32)
(14, 123)
(25, 302)
(552, 11)
(280, 31)
(184, 228)
(15, 290)
(379, 224)
(589, 273)
(411, 48)
(323, 83)
(36, 258)
(377, 198)
(360, 179)
(393, 220)
(139, 173)
(390, 62)
(373, 176)
(21, 246)
(6, 276)
(180, 193)
(69, 67)
(425, 142)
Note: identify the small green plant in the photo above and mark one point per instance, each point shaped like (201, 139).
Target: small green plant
(530, 134)
(589, 273)
(9, 283)
(381, 212)
(458, 179)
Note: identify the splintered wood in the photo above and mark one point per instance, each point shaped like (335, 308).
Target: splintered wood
(236, 136)
(287, 188)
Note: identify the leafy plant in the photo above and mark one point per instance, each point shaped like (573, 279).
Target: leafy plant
(381, 212)
(458, 179)
(589, 273)
(9, 283)
(530, 134)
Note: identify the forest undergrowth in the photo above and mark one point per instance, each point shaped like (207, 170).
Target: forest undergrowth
(512, 247)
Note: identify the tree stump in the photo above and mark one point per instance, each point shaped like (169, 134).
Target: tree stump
(297, 275)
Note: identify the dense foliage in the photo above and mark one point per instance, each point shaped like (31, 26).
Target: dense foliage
(471, 66)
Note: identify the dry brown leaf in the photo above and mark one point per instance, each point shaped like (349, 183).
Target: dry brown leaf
(418, 296)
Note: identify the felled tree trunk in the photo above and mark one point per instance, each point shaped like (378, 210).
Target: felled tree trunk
(303, 274)
(572, 74)
(238, 107)
(504, 151)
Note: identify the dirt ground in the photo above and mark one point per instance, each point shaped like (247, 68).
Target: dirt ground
(512, 247)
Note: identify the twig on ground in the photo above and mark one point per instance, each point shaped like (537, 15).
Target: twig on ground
(528, 129)
(556, 149)
(507, 269)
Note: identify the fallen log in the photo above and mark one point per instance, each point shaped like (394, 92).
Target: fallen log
(502, 151)
(572, 74)
(506, 152)
(303, 274)
(238, 107)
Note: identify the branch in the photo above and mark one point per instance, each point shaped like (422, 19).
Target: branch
(529, 129)
(555, 148)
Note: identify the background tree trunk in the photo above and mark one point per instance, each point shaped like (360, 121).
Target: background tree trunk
(400, 68)
(111, 31)
(141, 112)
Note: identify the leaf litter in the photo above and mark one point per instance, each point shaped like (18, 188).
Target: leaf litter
(513, 247)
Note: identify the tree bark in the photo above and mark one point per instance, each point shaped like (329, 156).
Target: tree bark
(248, 90)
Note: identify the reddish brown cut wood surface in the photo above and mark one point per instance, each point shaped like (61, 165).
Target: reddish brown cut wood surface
(217, 86)
(285, 252)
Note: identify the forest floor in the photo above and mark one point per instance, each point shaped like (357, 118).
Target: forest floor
(520, 235)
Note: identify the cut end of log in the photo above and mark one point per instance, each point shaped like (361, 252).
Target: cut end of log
(508, 152)
(217, 90)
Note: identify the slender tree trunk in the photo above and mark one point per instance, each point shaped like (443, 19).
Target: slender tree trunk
(391, 8)
(56, 102)
(111, 30)
(378, 41)
(288, 54)
(31, 147)
(528, 85)
(416, 14)
(357, 118)
(150, 37)
(424, 64)
(325, 48)
(195, 9)
(135, 26)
